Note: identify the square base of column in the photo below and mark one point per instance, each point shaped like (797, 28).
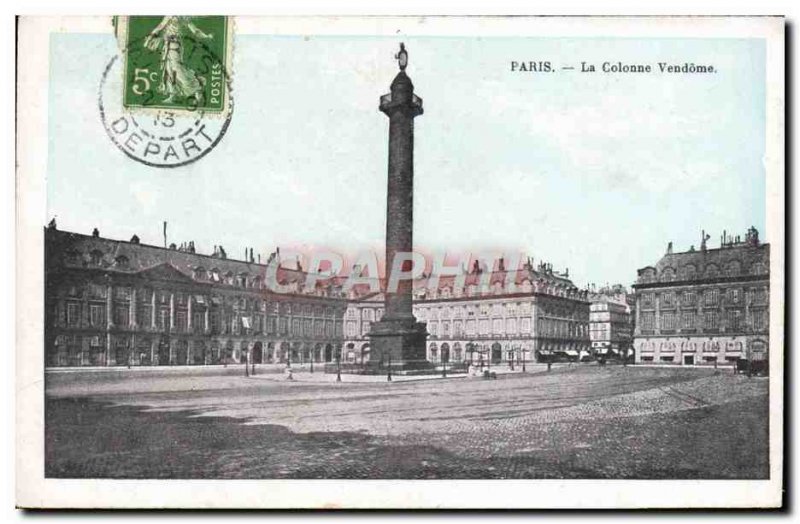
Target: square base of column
(399, 343)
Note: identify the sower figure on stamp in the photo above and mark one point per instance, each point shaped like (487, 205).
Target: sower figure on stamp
(176, 78)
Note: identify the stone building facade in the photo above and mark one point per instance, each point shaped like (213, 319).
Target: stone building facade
(112, 302)
(485, 320)
(123, 303)
(611, 321)
(705, 306)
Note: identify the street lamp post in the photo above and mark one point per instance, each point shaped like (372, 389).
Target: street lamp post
(246, 363)
(338, 367)
(511, 360)
(389, 372)
(313, 354)
(444, 364)
(522, 354)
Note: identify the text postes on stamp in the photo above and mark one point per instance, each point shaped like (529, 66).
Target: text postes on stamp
(167, 100)
(175, 62)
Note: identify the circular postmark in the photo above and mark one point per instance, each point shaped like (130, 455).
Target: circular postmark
(171, 122)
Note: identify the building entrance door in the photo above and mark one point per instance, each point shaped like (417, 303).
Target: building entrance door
(328, 353)
(163, 352)
(688, 360)
(497, 353)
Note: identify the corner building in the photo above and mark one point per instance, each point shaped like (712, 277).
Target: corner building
(705, 306)
(486, 320)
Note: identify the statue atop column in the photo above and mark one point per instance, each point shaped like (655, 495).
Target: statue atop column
(402, 57)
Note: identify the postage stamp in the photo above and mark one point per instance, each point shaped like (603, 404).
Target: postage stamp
(427, 255)
(166, 99)
(177, 63)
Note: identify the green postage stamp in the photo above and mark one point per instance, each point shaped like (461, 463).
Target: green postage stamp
(175, 62)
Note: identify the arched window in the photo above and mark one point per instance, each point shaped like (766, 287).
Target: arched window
(733, 268)
(688, 272)
(667, 274)
(72, 256)
(712, 271)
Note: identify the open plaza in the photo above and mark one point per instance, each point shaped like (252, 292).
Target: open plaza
(574, 421)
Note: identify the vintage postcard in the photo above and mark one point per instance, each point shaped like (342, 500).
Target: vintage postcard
(400, 262)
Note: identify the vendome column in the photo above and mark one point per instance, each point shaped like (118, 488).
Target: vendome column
(398, 337)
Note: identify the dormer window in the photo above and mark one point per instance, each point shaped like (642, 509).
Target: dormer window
(199, 273)
(121, 262)
(71, 256)
(95, 257)
(215, 275)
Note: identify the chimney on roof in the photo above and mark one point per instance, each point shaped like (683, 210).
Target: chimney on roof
(95, 232)
(501, 266)
(52, 224)
(669, 248)
(134, 239)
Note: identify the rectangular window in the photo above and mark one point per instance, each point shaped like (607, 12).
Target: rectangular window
(73, 314)
(180, 320)
(689, 298)
(668, 321)
(668, 300)
(760, 320)
(688, 319)
(163, 319)
(121, 315)
(648, 321)
(734, 319)
(199, 320)
(497, 326)
(97, 315)
(711, 320)
(711, 297)
(648, 300)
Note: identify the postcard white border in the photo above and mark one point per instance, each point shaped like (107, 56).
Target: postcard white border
(33, 490)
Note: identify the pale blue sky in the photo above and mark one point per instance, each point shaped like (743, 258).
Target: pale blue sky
(592, 172)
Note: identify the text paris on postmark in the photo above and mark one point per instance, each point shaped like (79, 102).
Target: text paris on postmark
(166, 100)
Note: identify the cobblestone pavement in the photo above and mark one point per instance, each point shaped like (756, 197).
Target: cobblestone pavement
(578, 422)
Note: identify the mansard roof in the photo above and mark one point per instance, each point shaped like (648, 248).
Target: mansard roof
(750, 259)
(76, 250)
